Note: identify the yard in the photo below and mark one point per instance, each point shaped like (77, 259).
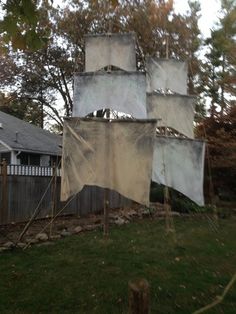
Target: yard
(86, 274)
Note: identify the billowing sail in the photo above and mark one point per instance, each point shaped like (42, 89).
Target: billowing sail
(110, 49)
(166, 74)
(116, 155)
(175, 111)
(120, 91)
(179, 163)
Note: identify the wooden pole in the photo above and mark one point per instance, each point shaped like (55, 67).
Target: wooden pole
(167, 46)
(4, 209)
(139, 297)
(106, 213)
(107, 171)
(167, 207)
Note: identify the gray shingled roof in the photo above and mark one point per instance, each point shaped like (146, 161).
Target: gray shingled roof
(29, 137)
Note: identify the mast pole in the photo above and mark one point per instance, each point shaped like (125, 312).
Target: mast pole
(106, 204)
(167, 207)
(167, 46)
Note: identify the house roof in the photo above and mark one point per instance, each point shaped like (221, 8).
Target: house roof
(19, 135)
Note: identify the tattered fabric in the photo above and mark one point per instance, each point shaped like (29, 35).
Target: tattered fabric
(166, 74)
(179, 164)
(175, 111)
(110, 49)
(116, 155)
(121, 91)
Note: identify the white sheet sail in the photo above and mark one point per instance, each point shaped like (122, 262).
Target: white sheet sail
(179, 163)
(116, 155)
(110, 49)
(175, 111)
(166, 74)
(120, 91)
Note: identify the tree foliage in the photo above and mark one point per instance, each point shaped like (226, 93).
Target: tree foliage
(21, 25)
(219, 74)
(219, 85)
(45, 46)
(220, 134)
(45, 76)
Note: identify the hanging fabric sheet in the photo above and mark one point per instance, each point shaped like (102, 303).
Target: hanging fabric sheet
(179, 164)
(116, 155)
(175, 111)
(166, 74)
(121, 91)
(110, 49)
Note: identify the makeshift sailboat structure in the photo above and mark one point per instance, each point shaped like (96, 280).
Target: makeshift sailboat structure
(126, 154)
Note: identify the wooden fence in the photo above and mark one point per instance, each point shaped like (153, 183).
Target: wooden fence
(22, 170)
(21, 194)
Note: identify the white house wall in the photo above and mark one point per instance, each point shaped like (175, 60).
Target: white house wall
(114, 49)
(120, 91)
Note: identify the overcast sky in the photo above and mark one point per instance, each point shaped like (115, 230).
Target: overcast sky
(209, 11)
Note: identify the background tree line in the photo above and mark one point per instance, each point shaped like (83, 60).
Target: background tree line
(42, 45)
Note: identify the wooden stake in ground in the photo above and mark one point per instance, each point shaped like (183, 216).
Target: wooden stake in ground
(106, 213)
(139, 297)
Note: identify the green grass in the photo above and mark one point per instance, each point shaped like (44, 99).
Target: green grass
(85, 274)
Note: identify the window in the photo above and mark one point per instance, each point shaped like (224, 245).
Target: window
(29, 159)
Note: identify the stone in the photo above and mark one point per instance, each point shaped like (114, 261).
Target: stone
(97, 221)
(31, 241)
(41, 237)
(163, 214)
(113, 216)
(21, 245)
(78, 229)
(129, 214)
(65, 233)
(120, 221)
(46, 243)
(143, 212)
(2, 249)
(55, 237)
(90, 227)
(9, 245)
(132, 212)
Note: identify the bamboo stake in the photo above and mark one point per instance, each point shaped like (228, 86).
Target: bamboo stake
(218, 299)
(36, 212)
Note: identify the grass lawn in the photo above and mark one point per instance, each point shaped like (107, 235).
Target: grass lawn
(85, 274)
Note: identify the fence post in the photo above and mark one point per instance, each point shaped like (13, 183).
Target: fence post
(4, 207)
(139, 296)
(53, 194)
